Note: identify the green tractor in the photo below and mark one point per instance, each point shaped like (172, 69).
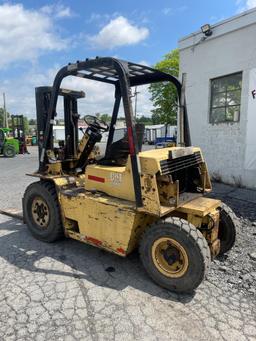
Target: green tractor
(9, 146)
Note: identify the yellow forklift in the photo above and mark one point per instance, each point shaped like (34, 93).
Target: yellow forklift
(127, 199)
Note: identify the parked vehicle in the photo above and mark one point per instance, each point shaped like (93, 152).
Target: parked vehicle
(160, 133)
(9, 146)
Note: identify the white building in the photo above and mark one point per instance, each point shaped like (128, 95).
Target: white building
(221, 96)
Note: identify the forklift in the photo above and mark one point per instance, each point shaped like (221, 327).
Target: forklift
(9, 146)
(128, 199)
(18, 130)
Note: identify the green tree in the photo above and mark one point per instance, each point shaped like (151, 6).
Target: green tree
(105, 117)
(2, 117)
(32, 122)
(164, 94)
(26, 125)
(144, 120)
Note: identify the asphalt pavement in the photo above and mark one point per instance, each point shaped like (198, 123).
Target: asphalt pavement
(72, 291)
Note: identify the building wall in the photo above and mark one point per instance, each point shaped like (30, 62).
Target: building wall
(230, 49)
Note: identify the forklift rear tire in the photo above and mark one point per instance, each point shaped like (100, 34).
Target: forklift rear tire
(9, 151)
(42, 212)
(175, 254)
(227, 229)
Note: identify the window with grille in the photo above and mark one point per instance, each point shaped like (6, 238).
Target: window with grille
(226, 98)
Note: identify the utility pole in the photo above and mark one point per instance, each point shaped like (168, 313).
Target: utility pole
(135, 104)
(5, 120)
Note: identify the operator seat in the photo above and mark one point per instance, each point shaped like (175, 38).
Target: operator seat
(118, 152)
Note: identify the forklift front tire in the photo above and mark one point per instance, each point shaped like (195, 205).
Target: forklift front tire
(42, 212)
(9, 151)
(175, 254)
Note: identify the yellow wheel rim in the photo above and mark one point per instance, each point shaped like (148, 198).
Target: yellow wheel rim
(40, 212)
(169, 257)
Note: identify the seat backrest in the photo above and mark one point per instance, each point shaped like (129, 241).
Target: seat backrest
(119, 150)
(140, 129)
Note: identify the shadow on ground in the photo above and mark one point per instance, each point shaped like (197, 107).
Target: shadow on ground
(80, 261)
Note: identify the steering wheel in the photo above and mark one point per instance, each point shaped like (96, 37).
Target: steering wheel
(96, 123)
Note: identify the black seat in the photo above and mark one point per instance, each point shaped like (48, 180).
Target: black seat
(118, 152)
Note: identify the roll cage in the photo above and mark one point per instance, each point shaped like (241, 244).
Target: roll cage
(123, 75)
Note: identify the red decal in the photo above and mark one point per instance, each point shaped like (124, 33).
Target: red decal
(131, 143)
(120, 250)
(94, 241)
(96, 178)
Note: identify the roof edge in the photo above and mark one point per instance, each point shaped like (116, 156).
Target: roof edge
(222, 22)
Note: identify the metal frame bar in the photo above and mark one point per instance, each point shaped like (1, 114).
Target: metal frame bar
(113, 120)
(126, 78)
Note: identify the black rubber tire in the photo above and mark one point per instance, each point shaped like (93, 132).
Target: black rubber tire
(193, 242)
(45, 190)
(227, 228)
(9, 151)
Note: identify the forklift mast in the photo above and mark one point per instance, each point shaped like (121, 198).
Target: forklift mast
(43, 97)
(18, 132)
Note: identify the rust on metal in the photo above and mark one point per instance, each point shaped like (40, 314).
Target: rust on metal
(93, 240)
